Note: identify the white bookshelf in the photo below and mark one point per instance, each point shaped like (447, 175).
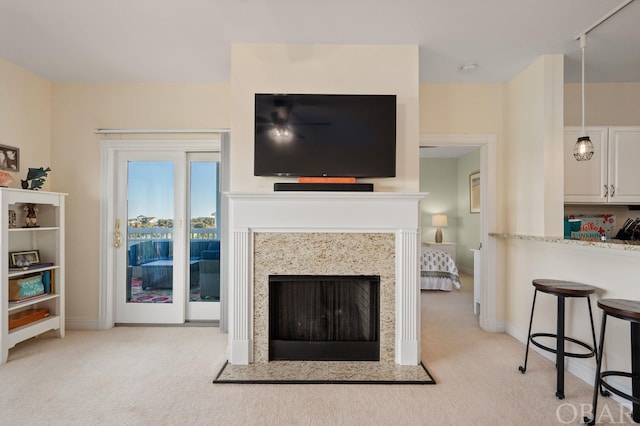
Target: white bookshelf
(48, 239)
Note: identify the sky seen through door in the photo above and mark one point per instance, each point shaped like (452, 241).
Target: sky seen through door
(151, 189)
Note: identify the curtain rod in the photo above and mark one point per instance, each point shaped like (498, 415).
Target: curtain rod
(157, 131)
(604, 18)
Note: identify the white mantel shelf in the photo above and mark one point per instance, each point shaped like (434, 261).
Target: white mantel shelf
(348, 212)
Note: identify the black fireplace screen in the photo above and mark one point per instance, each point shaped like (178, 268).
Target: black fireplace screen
(324, 317)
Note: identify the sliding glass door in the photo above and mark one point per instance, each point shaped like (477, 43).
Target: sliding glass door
(168, 249)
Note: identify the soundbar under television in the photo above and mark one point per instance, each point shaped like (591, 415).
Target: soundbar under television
(325, 135)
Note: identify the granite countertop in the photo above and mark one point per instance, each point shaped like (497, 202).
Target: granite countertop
(613, 244)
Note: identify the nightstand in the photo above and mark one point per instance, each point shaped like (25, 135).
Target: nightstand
(445, 247)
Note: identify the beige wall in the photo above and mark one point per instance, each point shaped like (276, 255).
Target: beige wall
(25, 120)
(534, 166)
(79, 108)
(459, 108)
(277, 68)
(606, 104)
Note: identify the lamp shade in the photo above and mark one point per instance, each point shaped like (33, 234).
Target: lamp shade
(439, 220)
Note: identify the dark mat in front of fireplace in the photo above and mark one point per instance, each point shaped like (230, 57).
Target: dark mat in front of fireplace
(325, 372)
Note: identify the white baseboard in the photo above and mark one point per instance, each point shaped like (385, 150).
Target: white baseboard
(81, 324)
(465, 270)
(582, 371)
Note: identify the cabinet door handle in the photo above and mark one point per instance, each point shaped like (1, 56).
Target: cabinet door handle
(606, 191)
(117, 237)
(613, 190)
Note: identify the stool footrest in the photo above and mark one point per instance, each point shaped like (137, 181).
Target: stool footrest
(591, 350)
(615, 390)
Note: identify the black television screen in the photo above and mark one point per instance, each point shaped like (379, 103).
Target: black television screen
(325, 135)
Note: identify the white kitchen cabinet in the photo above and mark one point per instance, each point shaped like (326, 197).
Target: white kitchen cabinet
(48, 240)
(612, 175)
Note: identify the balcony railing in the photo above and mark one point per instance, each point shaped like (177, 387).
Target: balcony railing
(135, 235)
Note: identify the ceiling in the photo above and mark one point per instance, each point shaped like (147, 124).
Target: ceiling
(190, 40)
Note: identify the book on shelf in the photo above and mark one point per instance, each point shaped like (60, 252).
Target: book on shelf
(29, 299)
(26, 317)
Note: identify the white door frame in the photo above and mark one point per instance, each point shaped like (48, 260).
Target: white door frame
(108, 150)
(488, 189)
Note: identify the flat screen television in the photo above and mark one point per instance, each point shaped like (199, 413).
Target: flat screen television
(325, 135)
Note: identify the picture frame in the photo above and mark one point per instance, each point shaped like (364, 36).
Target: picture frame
(474, 192)
(9, 158)
(24, 259)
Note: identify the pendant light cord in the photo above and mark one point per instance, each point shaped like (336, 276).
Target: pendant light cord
(583, 43)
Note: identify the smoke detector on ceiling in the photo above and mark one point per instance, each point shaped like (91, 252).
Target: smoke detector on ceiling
(468, 67)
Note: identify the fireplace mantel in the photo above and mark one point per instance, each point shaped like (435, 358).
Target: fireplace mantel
(325, 212)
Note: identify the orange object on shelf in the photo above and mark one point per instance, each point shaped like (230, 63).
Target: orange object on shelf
(26, 317)
(319, 179)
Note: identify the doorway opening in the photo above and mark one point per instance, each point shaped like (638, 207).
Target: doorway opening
(470, 222)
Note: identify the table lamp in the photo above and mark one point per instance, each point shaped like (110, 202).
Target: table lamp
(439, 220)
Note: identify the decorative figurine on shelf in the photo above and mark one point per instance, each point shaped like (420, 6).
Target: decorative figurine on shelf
(31, 219)
(36, 176)
(12, 219)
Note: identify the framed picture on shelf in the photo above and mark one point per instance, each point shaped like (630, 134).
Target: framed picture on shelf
(474, 192)
(24, 259)
(9, 158)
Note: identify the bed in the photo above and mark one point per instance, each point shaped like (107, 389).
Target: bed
(438, 270)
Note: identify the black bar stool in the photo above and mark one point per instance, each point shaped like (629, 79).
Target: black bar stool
(628, 310)
(562, 290)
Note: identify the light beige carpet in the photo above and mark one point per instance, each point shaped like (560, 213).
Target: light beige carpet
(163, 376)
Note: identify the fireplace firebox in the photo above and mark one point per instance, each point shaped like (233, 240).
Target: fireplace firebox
(324, 318)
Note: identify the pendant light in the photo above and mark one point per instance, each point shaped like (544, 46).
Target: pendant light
(583, 149)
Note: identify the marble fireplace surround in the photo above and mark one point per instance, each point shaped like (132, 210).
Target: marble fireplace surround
(341, 233)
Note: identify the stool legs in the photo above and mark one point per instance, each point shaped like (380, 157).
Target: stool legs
(560, 349)
(635, 369)
(598, 353)
(526, 353)
(597, 384)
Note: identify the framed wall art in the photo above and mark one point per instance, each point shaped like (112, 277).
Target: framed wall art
(9, 158)
(474, 193)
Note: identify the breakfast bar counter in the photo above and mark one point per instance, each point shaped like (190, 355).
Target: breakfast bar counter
(626, 245)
